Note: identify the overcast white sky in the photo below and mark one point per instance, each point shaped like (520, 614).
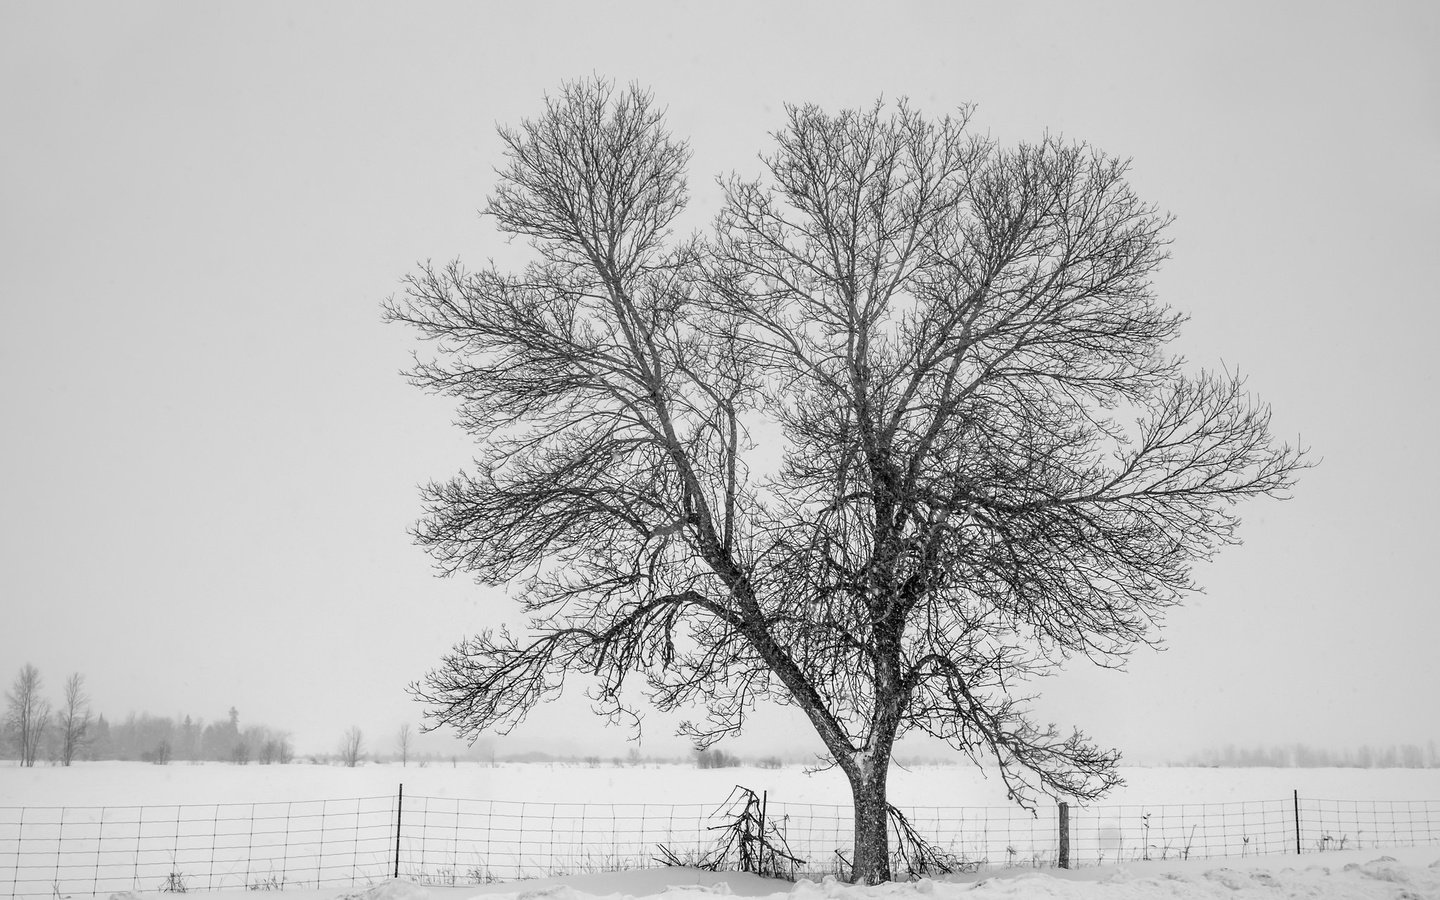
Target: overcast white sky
(209, 461)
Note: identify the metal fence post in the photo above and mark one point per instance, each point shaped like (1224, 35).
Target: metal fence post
(285, 863)
(399, 811)
(320, 857)
(249, 846)
(19, 850)
(99, 845)
(760, 855)
(1064, 835)
(214, 839)
(59, 842)
(1297, 821)
(139, 829)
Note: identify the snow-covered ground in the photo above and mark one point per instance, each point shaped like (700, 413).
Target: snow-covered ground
(1404, 875)
(1175, 817)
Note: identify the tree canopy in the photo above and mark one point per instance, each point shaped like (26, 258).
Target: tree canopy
(900, 431)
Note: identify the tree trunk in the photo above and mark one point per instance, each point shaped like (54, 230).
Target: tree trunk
(872, 826)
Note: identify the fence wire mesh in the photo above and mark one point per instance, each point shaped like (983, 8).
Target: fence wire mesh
(1126, 833)
(63, 851)
(970, 836)
(448, 841)
(1360, 824)
(55, 851)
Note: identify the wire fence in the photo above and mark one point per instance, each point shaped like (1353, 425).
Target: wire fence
(1127, 833)
(66, 851)
(58, 851)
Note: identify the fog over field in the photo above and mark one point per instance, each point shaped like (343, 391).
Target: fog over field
(121, 783)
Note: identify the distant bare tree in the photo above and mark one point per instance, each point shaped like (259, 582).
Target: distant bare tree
(983, 459)
(28, 714)
(274, 747)
(402, 743)
(74, 718)
(352, 747)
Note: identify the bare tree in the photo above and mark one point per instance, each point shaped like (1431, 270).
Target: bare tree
(864, 451)
(403, 743)
(274, 748)
(28, 713)
(74, 718)
(352, 747)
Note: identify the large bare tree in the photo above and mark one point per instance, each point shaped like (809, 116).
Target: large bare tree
(28, 713)
(902, 433)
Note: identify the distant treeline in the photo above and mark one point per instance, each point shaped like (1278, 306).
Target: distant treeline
(1302, 756)
(34, 730)
(162, 739)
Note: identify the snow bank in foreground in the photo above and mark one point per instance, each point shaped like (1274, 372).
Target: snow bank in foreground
(1378, 878)
(1408, 874)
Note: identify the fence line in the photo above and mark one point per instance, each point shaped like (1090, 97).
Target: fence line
(1125, 833)
(1354, 824)
(59, 851)
(64, 850)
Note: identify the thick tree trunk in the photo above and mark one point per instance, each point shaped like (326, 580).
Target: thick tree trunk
(872, 826)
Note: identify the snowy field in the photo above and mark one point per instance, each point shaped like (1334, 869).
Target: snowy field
(109, 826)
(129, 783)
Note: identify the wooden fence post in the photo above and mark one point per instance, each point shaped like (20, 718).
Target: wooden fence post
(1064, 835)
